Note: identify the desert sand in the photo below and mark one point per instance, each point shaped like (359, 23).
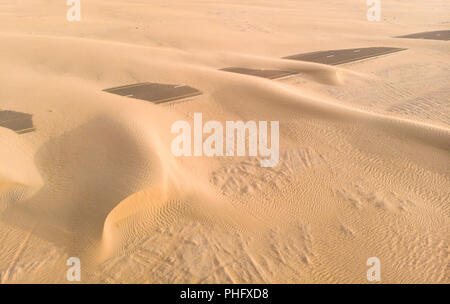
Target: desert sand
(364, 166)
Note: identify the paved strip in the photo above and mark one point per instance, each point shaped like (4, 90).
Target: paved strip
(269, 74)
(335, 57)
(436, 35)
(155, 92)
(18, 122)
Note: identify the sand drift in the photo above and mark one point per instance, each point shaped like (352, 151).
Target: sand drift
(364, 149)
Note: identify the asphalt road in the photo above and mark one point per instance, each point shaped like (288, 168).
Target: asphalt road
(436, 35)
(155, 92)
(335, 57)
(18, 122)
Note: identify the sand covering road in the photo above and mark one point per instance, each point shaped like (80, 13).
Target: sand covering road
(364, 147)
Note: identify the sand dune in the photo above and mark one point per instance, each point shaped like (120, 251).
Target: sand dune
(364, 147)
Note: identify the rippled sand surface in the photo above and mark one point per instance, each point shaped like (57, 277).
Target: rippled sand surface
(364, 167)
